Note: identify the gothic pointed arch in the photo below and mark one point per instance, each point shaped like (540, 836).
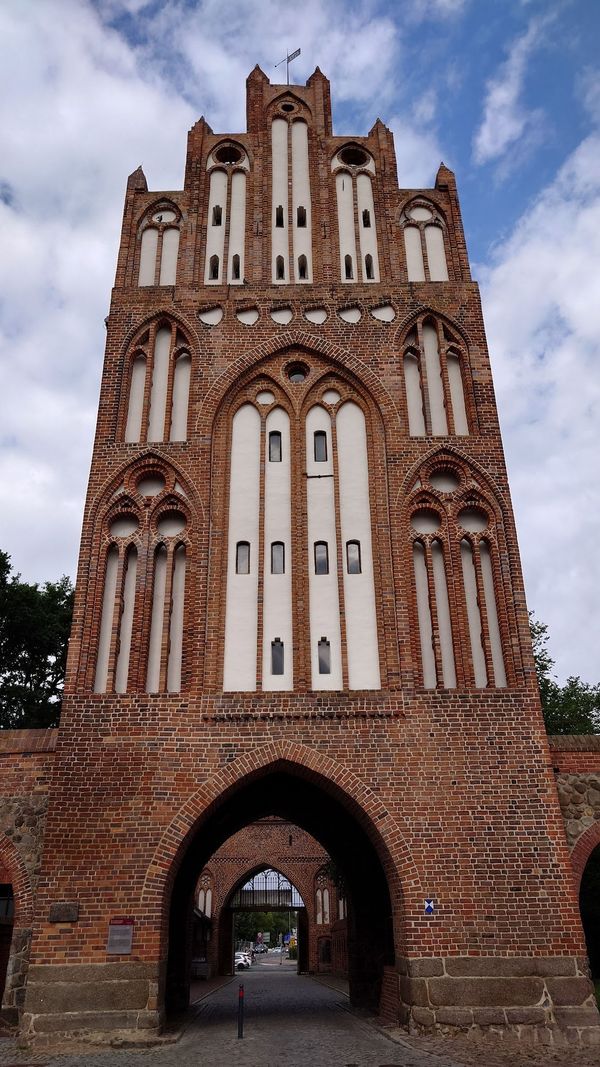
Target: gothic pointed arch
(155, 381)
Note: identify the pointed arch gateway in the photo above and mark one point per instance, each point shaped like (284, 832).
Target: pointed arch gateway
(329, 802)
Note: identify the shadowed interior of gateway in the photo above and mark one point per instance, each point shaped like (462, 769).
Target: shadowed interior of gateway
(325, 814)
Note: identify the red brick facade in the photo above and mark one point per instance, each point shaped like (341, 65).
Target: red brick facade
(418, 793)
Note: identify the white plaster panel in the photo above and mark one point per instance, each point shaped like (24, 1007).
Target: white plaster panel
(439, 424)
(414, 254)
(355, 521)
(237, 226)
(126, 623)
(277, 588)
(148, 257)
(473, 614)
(157, 620)
(279, 184)
(158, 393)
(443, 615)
(215, 235)
(436, 254)
(168, 258)
(106, 624)
(239, 673)
(414, 396)
(181, 393)
(211, 317)
(345, 211)
(316, 315)
(385, 313)
(424, 616)
(301, 198)
(352, 315)
(323, 588)
(282, 316)
(176, 625)
(133, 429)
(367, 235)
(492, 615)
(457, 396)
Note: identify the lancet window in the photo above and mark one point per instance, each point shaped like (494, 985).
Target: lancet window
(458, 591)
(324, 450)
(289, 144)
(159, 370)
(424, 243)
(228, 166)
(140, 637)
(435, 377)
(354, 172)
(159, 247)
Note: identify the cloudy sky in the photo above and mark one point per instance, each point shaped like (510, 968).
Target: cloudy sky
(506, 92)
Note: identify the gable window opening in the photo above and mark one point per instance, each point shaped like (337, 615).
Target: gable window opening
(242, 557)
(279, 216)
(236, 268)
(217, 215)
(302, 268)
(301, 217)
(369, 268)
(366, 219)
(348, 267)
(324, 651)
(320, 445)
(321, 557)
(279, 269)
(214, 268)
(277, 557)
(353, 563)
(277, 656)
(275, 446)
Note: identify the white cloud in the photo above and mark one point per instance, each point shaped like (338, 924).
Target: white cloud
(542, 310)
(506, 121)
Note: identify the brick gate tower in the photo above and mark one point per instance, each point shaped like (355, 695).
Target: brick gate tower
(299, 595)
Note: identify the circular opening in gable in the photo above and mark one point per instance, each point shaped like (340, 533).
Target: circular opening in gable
(228, 153)
(151, 485)
(444, 480)
(296, 372)
(123, 526)
(288, 107)
(354, 157)
(473, 519)
(425, 521)
(171, 523)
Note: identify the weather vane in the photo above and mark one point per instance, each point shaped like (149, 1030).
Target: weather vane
(287, 61)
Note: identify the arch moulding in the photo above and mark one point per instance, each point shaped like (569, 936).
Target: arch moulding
(582, 851)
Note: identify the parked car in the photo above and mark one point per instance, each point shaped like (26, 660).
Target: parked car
(241, 961)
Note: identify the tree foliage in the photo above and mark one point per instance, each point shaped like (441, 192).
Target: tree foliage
(249, 923)
(572, 708)
(35, 622)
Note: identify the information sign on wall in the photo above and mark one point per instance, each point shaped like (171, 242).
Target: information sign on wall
(120, 936)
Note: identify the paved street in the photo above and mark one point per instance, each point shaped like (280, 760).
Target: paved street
(289, 1020)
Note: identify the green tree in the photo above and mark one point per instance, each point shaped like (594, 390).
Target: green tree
(35, 622)
(572, 708)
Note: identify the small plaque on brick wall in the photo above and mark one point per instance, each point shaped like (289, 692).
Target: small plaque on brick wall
(120, 936)
(64, 911)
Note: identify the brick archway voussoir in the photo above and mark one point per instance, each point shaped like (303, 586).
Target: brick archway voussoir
(21, 884)
(582, 850)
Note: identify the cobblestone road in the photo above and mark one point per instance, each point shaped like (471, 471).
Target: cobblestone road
(290, 1021)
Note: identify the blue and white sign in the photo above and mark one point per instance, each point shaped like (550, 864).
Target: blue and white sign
(429, 906)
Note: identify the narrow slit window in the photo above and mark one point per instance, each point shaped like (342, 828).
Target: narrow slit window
(242, 557)
(301, 217)
(279, 269)
(348, 267)
(214, 268)
(302, 268)
(320, 446)
(324, 656)
(321, 557)
(369, 268)
(353, 557)
(235, 268)
(277, 557)
(366, 217)
(217, 215)
(277, 656)
(279, 216)
(275, 446)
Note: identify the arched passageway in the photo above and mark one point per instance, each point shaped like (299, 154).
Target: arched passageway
(265, 890)
(589, 903)
(7, 911)
(347, 835)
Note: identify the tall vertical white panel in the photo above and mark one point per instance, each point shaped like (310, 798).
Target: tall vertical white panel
(345, 210)
(323, 588)
(424, 616)
(367, 234)
(168, 259)
(279, 188)
(148, 257)
(157, 620)
(457, 395)
(239, 667)
(436, 254)
(126, 623)
(301, 198)
(106, 622)
(355, 521)
(277, 588)
(414, 254)
(237, 225)
(435, 386)
(473, 613)
(181, 395)
(160, 378)
(133, 429)
(443, 615)
(414, 395)
(176, 623)
(215, 235)
(492, 615)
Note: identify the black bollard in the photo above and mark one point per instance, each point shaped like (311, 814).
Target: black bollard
(241, 1011)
